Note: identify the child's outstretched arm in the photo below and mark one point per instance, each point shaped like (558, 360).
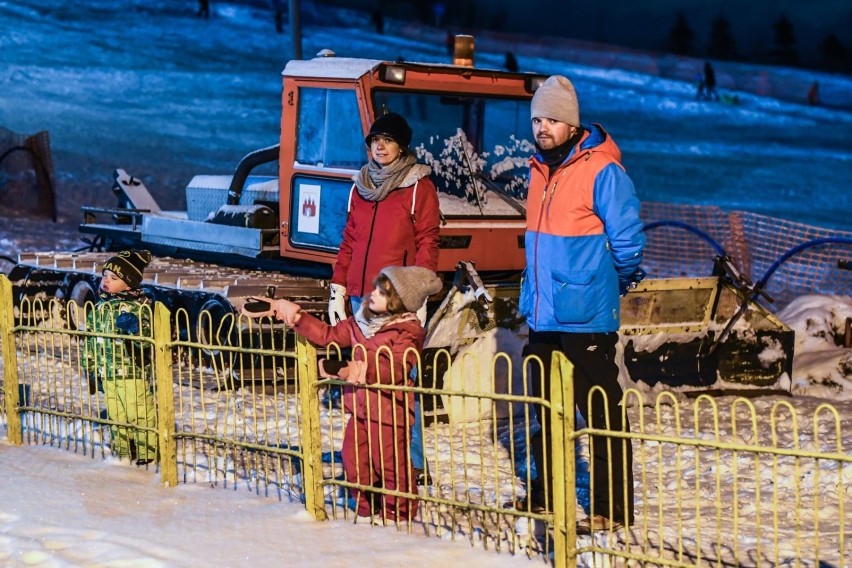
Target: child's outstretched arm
(283, 310)
(318, 332)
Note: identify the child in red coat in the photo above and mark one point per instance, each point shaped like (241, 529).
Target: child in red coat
(386, 336)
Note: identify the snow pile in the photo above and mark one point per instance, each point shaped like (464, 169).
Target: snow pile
(822, 366)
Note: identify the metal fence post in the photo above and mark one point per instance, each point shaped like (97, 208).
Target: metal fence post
(162, 332)
(564, 460)
(306, 355)
(10, 362)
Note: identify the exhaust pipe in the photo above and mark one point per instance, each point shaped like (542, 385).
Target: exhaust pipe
(244, 168)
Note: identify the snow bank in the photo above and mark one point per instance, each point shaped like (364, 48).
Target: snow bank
(822, 366)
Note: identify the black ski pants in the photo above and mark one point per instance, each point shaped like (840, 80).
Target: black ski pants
(593, 357)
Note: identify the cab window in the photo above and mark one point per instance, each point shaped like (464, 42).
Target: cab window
(478, 148)
(329, 129)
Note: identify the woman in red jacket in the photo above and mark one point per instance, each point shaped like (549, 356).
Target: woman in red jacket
(386, 336)
(393, 217)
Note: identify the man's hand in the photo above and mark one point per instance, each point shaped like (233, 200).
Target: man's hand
(628, 284)
(336, 304)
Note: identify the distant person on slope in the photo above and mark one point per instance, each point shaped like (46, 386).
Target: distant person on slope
(203, 9)
(813, 94)
(279, 15)
(584, 243)
(710, 82)
(700, 93)
(378, 20)
(510, 62)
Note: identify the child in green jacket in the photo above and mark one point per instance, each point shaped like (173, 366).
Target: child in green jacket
(118, 363)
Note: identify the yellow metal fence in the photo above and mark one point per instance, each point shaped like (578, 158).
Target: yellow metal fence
(718, 481)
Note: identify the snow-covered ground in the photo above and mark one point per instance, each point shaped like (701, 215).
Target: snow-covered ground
(145, 86)
(64, 511)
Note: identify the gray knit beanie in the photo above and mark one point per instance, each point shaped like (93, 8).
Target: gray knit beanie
(556, 99)
(413, 284)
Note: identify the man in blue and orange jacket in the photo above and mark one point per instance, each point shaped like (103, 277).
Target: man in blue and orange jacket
(584, 243)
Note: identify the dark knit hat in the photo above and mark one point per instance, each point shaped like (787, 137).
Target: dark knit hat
(129, 265)
(393, 126)
(556, 99)
(413, 284)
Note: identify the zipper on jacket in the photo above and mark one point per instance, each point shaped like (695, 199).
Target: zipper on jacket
(553, 187)
(546, 203)
(535, 254)
(369, 243)
(545, 207)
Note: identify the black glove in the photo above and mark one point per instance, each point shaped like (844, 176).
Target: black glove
(94, 383)
(127, 323)
(627, 284)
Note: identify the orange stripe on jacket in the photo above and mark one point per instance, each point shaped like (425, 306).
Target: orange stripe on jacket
(567, 209)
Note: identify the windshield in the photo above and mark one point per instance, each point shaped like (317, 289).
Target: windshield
(478, 148)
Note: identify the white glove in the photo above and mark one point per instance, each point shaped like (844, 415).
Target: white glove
(421, 314)
(336, 304)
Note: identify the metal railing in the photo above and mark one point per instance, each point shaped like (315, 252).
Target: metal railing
(718, 481)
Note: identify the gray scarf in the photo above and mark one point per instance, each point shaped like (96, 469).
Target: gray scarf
(371, 323)
(375, 182)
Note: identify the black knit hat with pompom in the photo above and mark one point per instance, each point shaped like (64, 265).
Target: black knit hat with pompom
(129, 265)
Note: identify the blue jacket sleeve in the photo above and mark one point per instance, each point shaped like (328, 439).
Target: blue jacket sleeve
(617, 206)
